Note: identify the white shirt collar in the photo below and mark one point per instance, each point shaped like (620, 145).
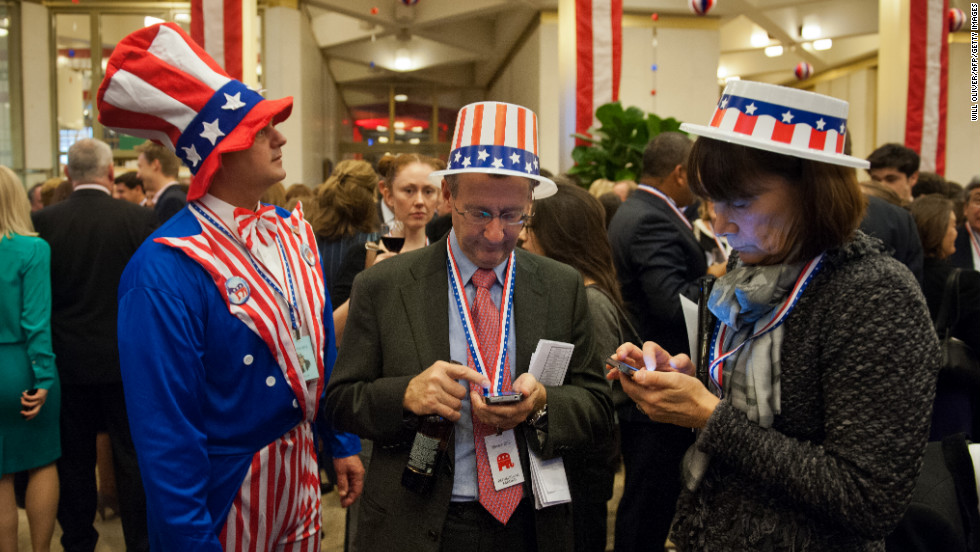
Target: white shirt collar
(98, 187)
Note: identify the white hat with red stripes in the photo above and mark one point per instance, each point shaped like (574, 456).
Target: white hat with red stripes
(782, 120)
(161, 85)
(497, 138)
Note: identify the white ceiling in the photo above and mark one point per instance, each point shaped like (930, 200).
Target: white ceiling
(459, 45)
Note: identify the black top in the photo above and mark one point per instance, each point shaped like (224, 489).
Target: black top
(896, 227)
(934, 282)
(169, 202)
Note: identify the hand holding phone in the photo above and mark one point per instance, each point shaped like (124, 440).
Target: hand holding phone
(621, 366)
(506, 397)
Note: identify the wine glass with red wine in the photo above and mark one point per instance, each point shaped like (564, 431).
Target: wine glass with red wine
(393, 236)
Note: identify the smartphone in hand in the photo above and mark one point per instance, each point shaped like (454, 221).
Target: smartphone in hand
(506, 397)
(622, 366)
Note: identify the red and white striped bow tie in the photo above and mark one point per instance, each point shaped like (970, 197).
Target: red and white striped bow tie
(259, 225)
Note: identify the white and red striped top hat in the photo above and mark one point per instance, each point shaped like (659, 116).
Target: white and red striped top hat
(497, 138)
(782, 120)
(161, 85)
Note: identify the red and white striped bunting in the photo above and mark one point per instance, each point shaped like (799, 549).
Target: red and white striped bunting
(925, 119)
(217, 26)
(599, 52)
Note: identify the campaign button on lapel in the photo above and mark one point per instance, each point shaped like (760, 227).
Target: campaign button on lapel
(237, 289)
(307, 254)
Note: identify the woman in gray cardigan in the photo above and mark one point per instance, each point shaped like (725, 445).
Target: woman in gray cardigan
(814, 418)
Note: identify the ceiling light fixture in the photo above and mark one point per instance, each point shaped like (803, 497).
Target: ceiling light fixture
(823, 44)
(810, 31)
(759, 39)
(401, 97)
(774, 51)
(403, 60)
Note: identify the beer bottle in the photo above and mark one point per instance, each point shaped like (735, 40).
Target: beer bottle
(428, 453)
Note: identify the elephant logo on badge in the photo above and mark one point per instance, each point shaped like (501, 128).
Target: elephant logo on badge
(504, 461)
(237, 289)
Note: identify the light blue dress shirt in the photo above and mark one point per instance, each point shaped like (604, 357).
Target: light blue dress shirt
(465, 486)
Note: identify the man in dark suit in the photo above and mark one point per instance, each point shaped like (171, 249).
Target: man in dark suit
(657, 259)
(967, 254)
(92, 237)
(157, 167)
(894, 226)
(404, 326)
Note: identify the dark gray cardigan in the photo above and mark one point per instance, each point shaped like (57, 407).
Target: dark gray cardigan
(836, 470)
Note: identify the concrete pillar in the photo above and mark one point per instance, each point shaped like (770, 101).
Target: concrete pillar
(38, 105)
(893, 70)
(293, 66)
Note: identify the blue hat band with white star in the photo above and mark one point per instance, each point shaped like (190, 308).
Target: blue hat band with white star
(782, 113)
(494, 158)
(223, 112)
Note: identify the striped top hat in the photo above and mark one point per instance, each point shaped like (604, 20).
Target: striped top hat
(497, 138)
(782, 120)
(160, 85)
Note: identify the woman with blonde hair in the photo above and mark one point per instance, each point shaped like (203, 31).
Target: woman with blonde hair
(29, 390)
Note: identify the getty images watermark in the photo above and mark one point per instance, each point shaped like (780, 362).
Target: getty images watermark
(974, 46)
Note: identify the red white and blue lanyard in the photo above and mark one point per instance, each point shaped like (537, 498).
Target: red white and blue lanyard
(973, 242)
(291, 305)
(505, 313)
(717, 356)
(670, 203)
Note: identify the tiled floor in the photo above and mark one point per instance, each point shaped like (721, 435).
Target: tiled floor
(111, 539)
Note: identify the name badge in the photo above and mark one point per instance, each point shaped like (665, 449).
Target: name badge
(307, 358)
(504, 460)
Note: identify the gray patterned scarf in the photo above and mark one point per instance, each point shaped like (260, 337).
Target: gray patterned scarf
(746, 299)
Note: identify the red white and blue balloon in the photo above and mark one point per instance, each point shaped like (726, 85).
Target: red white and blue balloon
(410, 2)
(701, 7)
(803, 70)
(956, 19)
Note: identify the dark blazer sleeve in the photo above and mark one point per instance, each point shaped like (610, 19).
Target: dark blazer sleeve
(963, 256)
(661, 262)
(171, 202)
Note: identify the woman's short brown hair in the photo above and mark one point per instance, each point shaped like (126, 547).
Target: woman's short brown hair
(830, 203)
(931, 214)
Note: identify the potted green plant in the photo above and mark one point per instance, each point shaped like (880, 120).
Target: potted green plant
(615, 148)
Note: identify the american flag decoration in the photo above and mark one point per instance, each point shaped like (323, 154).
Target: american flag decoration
(956, 19)
(162, 86)
(497, 138)
(925, 115)
(217, 26)
(780, 119)
(598, 58)
(701, 7)
(803, 70)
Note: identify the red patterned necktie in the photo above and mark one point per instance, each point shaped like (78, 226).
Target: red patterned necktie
(260, 225)
(486, 319)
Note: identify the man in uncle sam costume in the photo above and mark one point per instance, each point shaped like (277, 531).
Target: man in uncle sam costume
(472, 299)
(228, 298)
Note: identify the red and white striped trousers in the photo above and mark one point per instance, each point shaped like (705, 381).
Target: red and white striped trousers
(278, 505)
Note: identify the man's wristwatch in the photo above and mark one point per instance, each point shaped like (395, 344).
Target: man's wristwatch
(539, 420)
